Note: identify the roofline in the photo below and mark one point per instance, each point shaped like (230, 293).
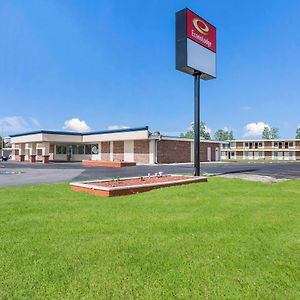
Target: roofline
(179, 138)
(46, 132)
(80, 133)
(117, 130)
(261, 140)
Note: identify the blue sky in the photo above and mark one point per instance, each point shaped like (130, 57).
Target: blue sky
(112, 64)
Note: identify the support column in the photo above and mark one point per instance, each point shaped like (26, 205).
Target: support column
(22, 152)
(111, 151)
(13, 151)
(99, 151)
(152, 152)
(197, 124)
(45, 153)
(32, 152)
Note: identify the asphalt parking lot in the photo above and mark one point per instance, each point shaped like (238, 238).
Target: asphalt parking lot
(17, 173)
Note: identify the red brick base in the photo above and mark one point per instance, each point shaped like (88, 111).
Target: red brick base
(21, 157)
(45, 159)
(130, 191)
(32, 158)
(110, 164)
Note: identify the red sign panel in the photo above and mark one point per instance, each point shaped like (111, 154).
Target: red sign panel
(201, 31)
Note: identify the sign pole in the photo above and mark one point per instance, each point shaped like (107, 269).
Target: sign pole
(197, 77)
(196, 47)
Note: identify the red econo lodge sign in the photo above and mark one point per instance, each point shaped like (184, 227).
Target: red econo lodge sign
(195, 45)
(200, 31)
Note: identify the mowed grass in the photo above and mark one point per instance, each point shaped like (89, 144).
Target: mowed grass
(225, 239)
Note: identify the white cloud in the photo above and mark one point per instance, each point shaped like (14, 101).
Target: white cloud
(247, 108)
(35, 122)
(225, 128)
(115, 127)
(76, 125)
(13, 124)
(255, 129)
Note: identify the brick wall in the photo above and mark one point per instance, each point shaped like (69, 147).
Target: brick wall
(268, 145)
(297, 144)
(141, 151)
(105, 151)
(173, 151)
(15, 152)
(268, 155)
(118, 151)
(203, 151)
(297, 155)
(239, 145)
(51, 151)
(239, 155)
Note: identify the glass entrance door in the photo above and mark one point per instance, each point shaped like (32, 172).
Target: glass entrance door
(69, 152)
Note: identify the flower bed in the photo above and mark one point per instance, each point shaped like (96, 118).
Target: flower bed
(110, 164)
(127, 186)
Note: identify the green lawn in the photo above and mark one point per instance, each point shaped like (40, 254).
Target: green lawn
(225, 239)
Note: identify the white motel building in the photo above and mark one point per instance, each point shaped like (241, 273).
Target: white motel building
(130, 145)
(284, 149)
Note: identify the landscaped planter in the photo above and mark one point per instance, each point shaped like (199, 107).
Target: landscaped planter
(110, 164)
(132, 185)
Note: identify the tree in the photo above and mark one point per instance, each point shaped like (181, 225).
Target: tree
(274, 133)
(266, 133)
(270, 133)
(298, 133)
(224, 135)
(204, 134)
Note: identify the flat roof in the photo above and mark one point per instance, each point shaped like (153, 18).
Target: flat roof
(80, 133)
(262, 140)
(181, 138)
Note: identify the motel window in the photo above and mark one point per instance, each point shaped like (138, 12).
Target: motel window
(260, 145)
(275, 154)
(250, 145)
(276, 145)
(77, 149)
(95, 149)
(246, 154)
(87, 149)
(80, 149)
(247, 145)
(291, 144)
(61, 150)
(280, 145)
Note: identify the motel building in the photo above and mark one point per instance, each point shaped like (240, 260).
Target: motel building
(137, 145)
(261, 150)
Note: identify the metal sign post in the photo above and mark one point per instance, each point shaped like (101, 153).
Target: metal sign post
(196, 47)
(197, 124)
